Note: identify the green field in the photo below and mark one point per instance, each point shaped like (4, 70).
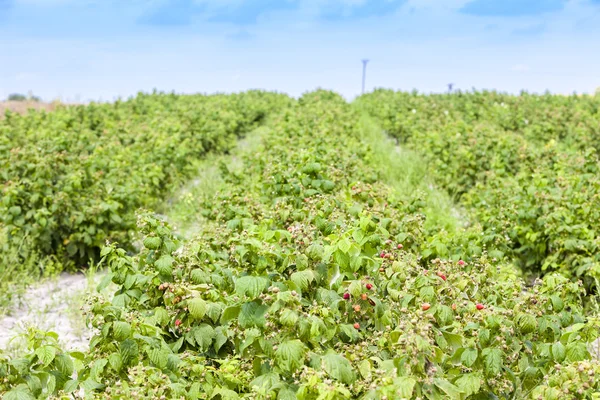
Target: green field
(263, 247)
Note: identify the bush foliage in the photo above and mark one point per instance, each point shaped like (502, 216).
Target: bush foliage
(525, 166)
(73, 179)
(309, 280)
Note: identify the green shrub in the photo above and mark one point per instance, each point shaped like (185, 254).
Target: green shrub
(297, 287)
(74, 178)
(524, 166)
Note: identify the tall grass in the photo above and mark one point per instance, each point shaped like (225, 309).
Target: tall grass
(407, 173)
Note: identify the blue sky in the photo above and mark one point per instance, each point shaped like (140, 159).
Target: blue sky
(102, 49)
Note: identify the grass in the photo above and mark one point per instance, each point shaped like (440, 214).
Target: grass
(406, 173)
(183, 210)
(403, 170)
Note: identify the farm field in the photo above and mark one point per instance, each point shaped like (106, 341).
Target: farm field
(258, 246)
(24, 106)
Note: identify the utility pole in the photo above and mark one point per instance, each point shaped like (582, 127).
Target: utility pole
(365, 61)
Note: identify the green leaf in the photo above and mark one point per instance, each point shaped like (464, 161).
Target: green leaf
(265, 381)
(344, 245)
(576, 351)
(18, 394)
(493, 361)
(287, 394)
(71, 385)
(358, 235)
(46, 354)
(214, 311)
(106, 250)
(252, 314)
(452, 391)
(453, 339)
(20, 364)
(290, 355)
(34, 384)
(484, 336)
(355, 289)
(557, 303)
(176, 345)
(364, 367)
(204, 335)
(226, 394)
(152, 242)
(251, 335)
(77, 355)
(302, 279)
(251, 286)
(115, 361)
(427, 293)
(349, 331)
(197, 308)
(91, 385)
(98, 368)
(164, 264)
(527, 323)
(121, 330)
(445, 315)
(220, 339)
(468, 357)
(406, 386)
(64, 364)
(469, 384)
(288, 317)
(338, 367)
(129, 351)
(159, 357)
(106, 280)
(195, 391)
(198, 276)
(559, 351)
(161, 316)
(342, 259)
(230, 313)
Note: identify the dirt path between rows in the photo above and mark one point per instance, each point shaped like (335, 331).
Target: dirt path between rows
(53, 305)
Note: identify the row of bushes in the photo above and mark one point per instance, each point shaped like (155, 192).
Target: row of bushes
(525, 166)
(73, 178)
(307, 281)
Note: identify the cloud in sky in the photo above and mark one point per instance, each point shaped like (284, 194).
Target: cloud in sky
(173, 13)
(340, 11)
(511, 8)
(5, 6)
(531, 30)
(249, 12)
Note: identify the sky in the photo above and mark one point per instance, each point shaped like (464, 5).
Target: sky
(100, 50)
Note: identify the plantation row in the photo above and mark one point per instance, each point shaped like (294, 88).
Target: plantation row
(526, 167)
(73, 179)
(307, 281)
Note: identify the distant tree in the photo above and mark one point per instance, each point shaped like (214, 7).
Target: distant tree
(22, 97)
(17, 97)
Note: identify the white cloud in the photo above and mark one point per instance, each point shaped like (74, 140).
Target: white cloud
(436, 4)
